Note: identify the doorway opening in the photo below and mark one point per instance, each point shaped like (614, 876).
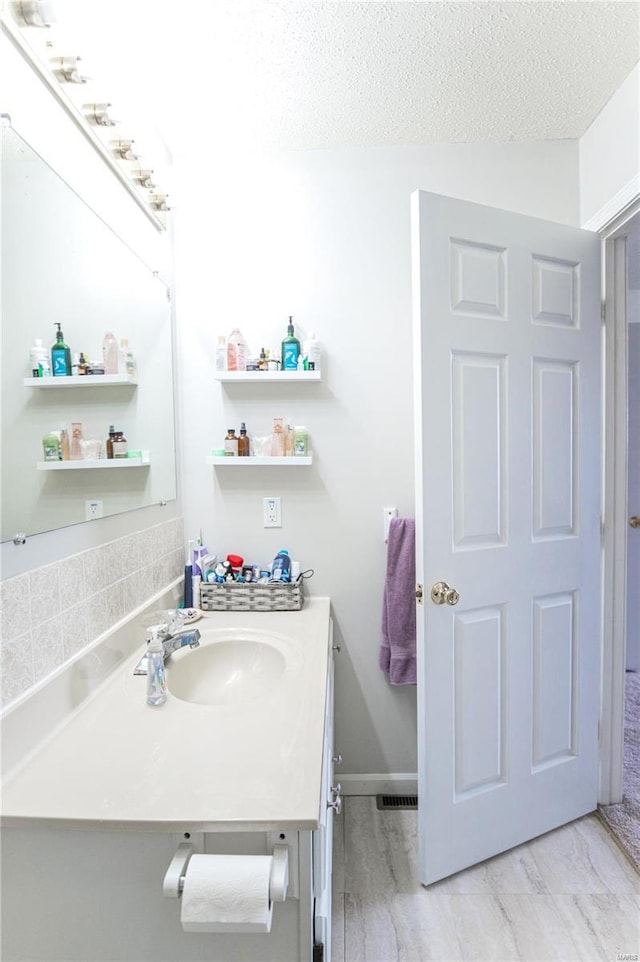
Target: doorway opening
(620, 782)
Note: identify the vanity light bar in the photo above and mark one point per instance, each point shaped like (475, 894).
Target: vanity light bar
(61, 74)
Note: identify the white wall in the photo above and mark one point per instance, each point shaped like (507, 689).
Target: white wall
(325, 236)
(610, 156)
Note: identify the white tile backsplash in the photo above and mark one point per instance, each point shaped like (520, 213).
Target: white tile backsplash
(52, 613)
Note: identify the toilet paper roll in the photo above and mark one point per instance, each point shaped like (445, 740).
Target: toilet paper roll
(227, 893)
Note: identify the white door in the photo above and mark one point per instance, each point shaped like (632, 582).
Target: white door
(507, 381)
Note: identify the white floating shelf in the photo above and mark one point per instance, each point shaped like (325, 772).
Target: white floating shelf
(79, 380)
(88, 463)
(256, 462)
(263, 376)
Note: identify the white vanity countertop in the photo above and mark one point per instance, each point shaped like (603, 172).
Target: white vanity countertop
(257, 765)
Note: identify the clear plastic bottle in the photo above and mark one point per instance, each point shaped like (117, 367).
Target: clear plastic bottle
(64, 445)
(156, 678)
(221, 353)
(110, 353)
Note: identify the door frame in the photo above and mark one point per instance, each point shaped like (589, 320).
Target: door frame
(613, 234)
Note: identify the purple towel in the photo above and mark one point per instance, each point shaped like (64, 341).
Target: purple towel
(398, 648)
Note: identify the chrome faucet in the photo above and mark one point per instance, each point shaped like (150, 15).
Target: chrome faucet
(171, 643)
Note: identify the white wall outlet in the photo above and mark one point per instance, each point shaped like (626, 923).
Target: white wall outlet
(271, 513)
(93, 510)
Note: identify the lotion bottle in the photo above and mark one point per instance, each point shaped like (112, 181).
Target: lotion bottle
(156, 678)
(290, 349)
(60, 355)
(110, 353)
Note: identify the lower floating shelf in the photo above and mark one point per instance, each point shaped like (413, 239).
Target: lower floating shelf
(260, 462)
(87, 463)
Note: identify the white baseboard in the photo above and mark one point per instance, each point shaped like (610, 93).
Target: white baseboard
(379, 783)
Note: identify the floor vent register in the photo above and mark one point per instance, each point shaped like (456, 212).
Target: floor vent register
(388, 802)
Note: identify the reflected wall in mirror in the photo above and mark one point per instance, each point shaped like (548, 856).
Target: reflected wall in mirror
(62, 264)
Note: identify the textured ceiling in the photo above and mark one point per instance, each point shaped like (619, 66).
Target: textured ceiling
(307, 75)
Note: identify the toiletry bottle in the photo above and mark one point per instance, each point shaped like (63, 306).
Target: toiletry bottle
(277, 438)
(188, 583)
(281, 567)
(38, 358)
(311, 350)
(221, 353)
(76, 438)
(231, 443)
(82, 364)
(263, 363)
(119, 445)
(196, 581)
(236, 351)
(64, 446)
(301, 443)
(75, 365)
(289, 440)
(109, 442)
(51, 446)
(60, 356)
(290, 349)
(243, 442)
(110, 353)
(156, 679)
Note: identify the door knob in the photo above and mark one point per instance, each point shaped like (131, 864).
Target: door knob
(442, 594)
(634, 521)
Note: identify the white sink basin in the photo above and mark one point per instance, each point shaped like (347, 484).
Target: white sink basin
(235, 667)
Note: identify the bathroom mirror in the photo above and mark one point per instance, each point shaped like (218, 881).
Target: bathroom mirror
(61, 263)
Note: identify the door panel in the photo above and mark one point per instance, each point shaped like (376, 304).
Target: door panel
(507, 384)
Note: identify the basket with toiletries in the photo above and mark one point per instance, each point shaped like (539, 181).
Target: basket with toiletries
(253, 596)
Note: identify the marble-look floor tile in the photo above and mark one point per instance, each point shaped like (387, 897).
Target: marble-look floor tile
(337, 928)
(568, 895)
(423, 926)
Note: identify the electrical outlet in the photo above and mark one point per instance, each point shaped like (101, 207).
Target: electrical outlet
(93, 510)
(271, 513)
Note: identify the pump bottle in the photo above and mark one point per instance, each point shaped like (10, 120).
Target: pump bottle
(60, 356)
(156, 680)
(290, 349)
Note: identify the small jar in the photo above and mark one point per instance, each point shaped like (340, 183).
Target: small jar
(120, 445)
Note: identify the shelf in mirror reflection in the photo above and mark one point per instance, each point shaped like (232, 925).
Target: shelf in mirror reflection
(264, 376)
(253, 461)
(79, 380)
(87, 463)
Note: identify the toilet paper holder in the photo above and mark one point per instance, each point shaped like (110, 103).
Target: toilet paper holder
(173, 883)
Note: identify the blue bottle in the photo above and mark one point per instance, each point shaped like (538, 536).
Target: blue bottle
(281, 567)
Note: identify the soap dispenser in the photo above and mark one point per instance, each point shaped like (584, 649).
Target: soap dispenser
(60, 355)
(156, 679)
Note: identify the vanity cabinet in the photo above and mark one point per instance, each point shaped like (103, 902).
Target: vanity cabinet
(93, 815)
